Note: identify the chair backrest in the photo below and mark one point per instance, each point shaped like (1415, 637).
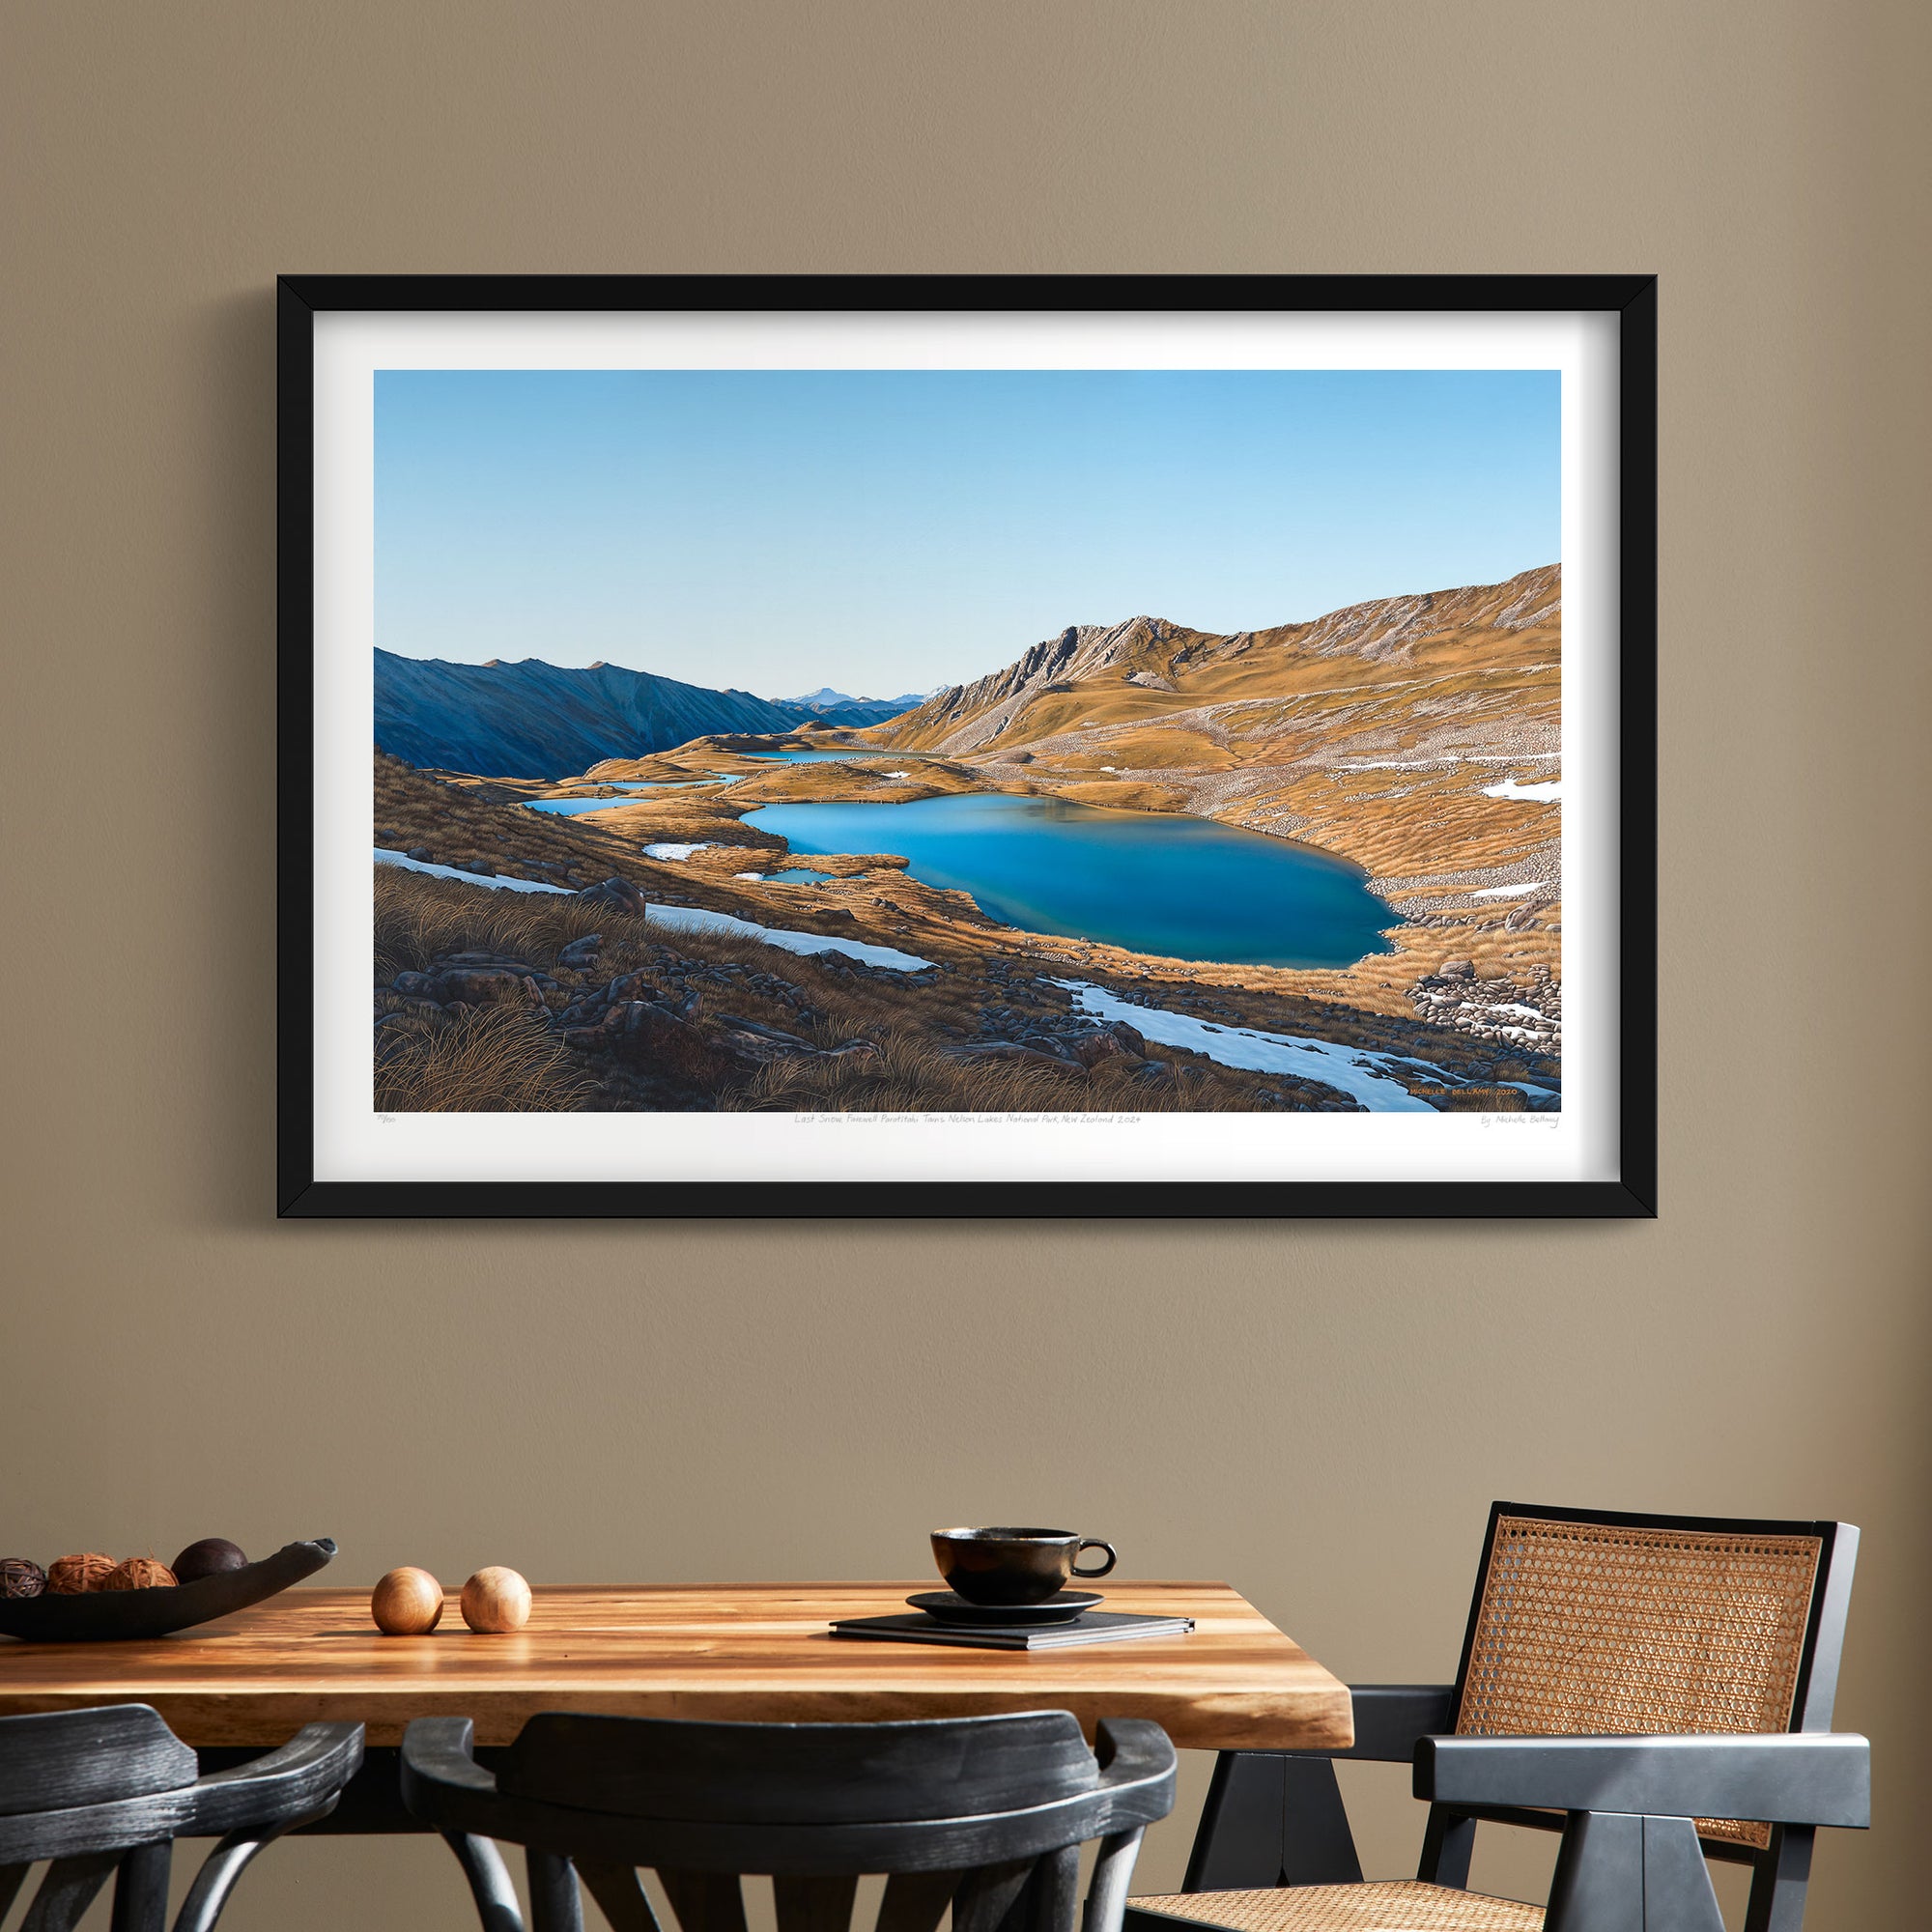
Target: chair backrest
(54, 1760)
(1598, 1621)
(753, 1774)
(976, 1815)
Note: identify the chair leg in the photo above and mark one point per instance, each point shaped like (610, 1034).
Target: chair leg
(489, 1879)
(69, 1887)
(556, 1903)
(1778, 1880)
(1448, 1843)
(1619, 1872)
(12, 1879)
(231, 1857)
(1107, 1888)
(141, 1889)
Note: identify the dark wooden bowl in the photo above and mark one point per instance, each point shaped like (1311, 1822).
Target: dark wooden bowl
(103, 1615)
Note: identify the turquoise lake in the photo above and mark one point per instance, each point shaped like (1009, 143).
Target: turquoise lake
(1179, 886)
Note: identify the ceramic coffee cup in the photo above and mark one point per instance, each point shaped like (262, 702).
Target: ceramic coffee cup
(1013, 1566)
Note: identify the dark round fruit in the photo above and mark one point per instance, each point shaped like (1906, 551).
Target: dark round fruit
(20, 1578)
(208, 1557)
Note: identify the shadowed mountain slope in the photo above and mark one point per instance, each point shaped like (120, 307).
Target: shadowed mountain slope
(538, 720)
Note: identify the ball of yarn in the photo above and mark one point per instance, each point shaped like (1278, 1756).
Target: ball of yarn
(19, 1578)
(495, 1599)
(77, 1575)
(139, 1573)
(407, 1602)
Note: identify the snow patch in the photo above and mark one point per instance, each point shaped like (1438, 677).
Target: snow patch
(748, 875)
(408, 865)
(1542, 791)
(895, 775)
(700, 919)
(1354, 1071)
(676, 851)
(1509, 892)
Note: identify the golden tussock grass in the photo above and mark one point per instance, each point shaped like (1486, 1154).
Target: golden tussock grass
(914, 1074)
(497, 1059)
(492, 1059)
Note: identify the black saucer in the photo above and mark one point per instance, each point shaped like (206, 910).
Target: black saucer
(944, 1608)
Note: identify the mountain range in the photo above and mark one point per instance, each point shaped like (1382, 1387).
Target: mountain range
(532, 719)
(837, 707)
(1150, 668)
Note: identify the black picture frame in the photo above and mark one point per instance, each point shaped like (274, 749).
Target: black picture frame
(1631, 1194)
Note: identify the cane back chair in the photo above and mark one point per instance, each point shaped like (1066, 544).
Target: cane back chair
(983, 1816)
(1657, 1689)
(104, 1794)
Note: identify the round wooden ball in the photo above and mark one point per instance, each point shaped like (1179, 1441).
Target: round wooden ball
(495, 1599)
(77, 1575)
(140, 1572)
(407, 1602)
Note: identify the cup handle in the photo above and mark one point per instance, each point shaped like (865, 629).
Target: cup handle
(1088, 1543)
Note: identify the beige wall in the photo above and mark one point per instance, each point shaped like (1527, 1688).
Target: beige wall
(1320, 1414)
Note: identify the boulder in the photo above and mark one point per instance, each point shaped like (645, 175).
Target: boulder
(1457, 969)
(581, 953)
(414, 985)
(1091, 1048)
(619, 894)
(420, 853)
(486, 985)
(1041, 1042)
(653, 1038)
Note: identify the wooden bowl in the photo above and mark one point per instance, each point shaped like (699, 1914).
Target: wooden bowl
(104, 1616)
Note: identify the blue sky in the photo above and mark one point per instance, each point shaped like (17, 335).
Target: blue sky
(884, 532)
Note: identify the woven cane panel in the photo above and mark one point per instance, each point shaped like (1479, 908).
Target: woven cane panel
(1407, 1906)
(1588, 1627)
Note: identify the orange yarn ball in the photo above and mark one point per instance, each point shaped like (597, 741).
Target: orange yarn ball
(139, 1573)
(75, 1576)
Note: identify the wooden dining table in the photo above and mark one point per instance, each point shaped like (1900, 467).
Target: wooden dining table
(747, 1652)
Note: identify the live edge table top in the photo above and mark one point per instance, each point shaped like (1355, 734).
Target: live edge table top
(746, 1652)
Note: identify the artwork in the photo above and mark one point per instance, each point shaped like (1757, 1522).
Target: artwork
(978, 747)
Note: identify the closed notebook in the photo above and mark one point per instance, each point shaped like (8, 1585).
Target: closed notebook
(1091, 1627)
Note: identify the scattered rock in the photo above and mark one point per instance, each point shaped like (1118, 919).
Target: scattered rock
(485, 986)
(1091, 1048)
(618, 894)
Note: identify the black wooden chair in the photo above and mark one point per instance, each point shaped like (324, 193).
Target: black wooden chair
(1656, 1689)
(983, 1815)
(104, 1794)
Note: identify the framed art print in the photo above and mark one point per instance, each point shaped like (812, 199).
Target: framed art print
(996, 745)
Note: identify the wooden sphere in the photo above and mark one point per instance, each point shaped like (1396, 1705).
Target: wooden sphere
(140, 1572)
(77, 1575)
(407, 1602)
(495, 1599)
